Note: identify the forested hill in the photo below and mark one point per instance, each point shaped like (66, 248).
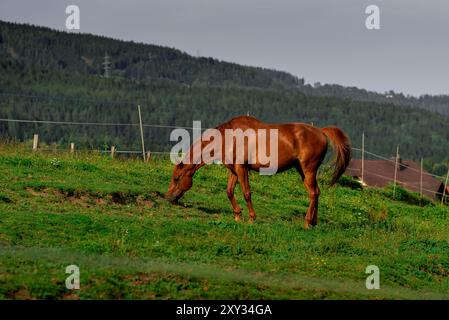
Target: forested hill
(85, 54)
(51, 75)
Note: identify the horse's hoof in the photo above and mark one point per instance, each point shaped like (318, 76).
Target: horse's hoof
(237, 218)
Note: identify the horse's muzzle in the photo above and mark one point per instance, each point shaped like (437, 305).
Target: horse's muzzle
(172, 198)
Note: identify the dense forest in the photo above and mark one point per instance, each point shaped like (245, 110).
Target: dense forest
(57, 76)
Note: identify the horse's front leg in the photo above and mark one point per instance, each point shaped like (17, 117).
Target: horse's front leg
(242, 174)
(232, 181)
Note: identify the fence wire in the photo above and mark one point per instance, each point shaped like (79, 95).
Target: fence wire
(172, 127)
(177, 127)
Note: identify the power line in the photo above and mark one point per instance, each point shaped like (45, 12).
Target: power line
(69, 122)
(94, 123)
(48, 97)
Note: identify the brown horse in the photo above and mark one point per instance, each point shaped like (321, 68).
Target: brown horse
(300, 146)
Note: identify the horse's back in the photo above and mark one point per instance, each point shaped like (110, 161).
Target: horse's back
(293, 134)
(243, 122)
(295, 140)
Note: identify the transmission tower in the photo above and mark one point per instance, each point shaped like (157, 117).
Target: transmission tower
(107, 66)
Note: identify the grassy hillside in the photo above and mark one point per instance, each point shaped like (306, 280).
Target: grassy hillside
(109, 218)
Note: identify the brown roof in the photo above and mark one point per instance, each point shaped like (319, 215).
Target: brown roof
(379, 173)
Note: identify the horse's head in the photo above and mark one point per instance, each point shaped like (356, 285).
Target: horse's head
(181, 181)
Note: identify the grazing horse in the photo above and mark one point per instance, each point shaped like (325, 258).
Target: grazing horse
(300, 146)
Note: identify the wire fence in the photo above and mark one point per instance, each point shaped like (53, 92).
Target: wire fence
(402, 182)
(178, 127)
(443, 194)
(139, 152)
(146, 125)
(96, 123)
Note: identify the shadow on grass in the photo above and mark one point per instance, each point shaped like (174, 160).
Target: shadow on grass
(209, 210)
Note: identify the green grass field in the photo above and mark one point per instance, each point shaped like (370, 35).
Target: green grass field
(109, 218)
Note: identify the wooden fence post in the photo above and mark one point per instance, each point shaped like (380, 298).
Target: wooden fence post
(72, 147)
(35, 142)
(445, 187)
(363, 157)
(141, 133)
(112, 152)
(395, 172)
(420, 180)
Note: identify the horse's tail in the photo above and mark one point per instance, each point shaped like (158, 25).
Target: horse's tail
(342, 149)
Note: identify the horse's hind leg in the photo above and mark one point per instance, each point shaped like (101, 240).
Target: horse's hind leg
(311, 185)
(242, 174)
(232, 181)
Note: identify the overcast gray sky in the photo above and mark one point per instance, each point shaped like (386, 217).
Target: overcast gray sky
(319, 40)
